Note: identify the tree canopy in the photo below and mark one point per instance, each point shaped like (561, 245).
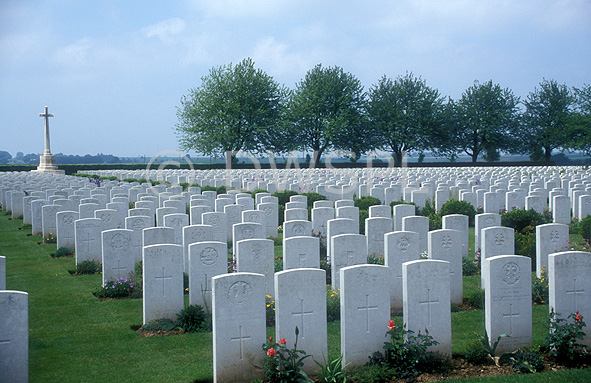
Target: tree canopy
(241, 108)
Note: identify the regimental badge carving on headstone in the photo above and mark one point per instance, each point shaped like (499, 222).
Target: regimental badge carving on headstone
(247, 233)
(214, 220)
(511, 273)
(239, 293)
(268, 210)
(403, 244)
(106, 217)
(138, 225)
(119, 241)
(446, 242)
(176, 222)
(554, 236)
(198, 234)
(489, 221)
(298, 230)
(68, 219)
(499, 239)
(209, 256)
(256, 252)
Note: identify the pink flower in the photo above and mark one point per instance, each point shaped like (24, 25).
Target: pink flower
(391, 324)
(271, 352)
(282, 341)
(270, 339)
(578, 318)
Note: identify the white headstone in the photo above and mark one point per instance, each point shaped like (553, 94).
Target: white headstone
(118, 258)
(446, 245)
(257, 256)
(400, 247)
(508, 307)
(426, 301)
(162, 281)
(346, 250)
(207, 259)
(365, 311)
(65, 229)
(301, 252)
(87, 233)
(14, 336)
(550, 238)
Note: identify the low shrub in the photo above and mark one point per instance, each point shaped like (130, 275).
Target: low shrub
(63, 252)
(453, 206)
(401, 202)
(284, 196)
(194, 319)
(476, 354)
(270, 311)
(162, 324)
(476, 300)
(469, 267)
(333, 305)
(365, 202)
(372, 259)
(313, 197)
(363, 215)
(120, 288)
(525, 362)
(522, 220)
(585, 227)
(539, 288)
(563, 340)
(89, 267)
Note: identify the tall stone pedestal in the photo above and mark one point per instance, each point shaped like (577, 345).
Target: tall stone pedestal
(47, 165)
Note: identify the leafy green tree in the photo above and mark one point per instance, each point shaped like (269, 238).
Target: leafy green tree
(236, 107)
(546, 117)
(486, 119)
(4, 157)
(326, 111)
(403, 114)
(580, 120)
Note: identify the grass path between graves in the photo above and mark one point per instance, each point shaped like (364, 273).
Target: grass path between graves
(75, 338)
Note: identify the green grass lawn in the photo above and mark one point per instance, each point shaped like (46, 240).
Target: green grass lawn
(75, 338)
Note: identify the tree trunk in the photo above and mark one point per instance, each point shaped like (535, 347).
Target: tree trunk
(548, 154)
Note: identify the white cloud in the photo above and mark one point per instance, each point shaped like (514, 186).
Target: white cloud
(165, 29)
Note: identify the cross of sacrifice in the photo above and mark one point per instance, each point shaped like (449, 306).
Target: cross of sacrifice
(164, 278)
(46, 116)
(366, 308)
(240, 339)
(301, 314)
(429, 302)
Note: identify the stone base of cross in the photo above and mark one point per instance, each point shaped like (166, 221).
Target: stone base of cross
(47, 165)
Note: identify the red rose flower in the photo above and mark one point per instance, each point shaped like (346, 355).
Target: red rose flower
(391, 324)
(271, 352)
(282, 341)
(578, 318)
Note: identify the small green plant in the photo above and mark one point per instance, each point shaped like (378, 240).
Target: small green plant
(50, 238)
(333, 305)
(372, 259)
(491, 350)
(332, 371)
(63, 252)
(89, 267)
(585, 227)
(562, 340)
(476, 300)
(526, 362)
(469, 267)
(282, 364)
(313, 197)
(194, 319)
(407, 354)
(270, 311)
(162, 324)
(539, 288)
(117, 289)
(476, 354)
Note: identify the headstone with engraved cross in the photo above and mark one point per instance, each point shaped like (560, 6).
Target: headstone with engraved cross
(508, 309)
(426, 301)
(162, 281)
(65, 229)
(87, 234)
(365, 311)
(257, 256)
(206, 259)
(238, 313)
(569, 285)
(446, 245)
(496, 240)
(375, 228)
(118, 258)
(300, 300)
(301, 252)
(14, 336)
(550, 238)
(346, 250)
(194, 234)
(399, 247)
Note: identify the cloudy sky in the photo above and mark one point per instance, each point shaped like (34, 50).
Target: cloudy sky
(113, 72)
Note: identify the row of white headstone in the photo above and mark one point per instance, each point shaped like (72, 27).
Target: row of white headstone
(121, 195)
